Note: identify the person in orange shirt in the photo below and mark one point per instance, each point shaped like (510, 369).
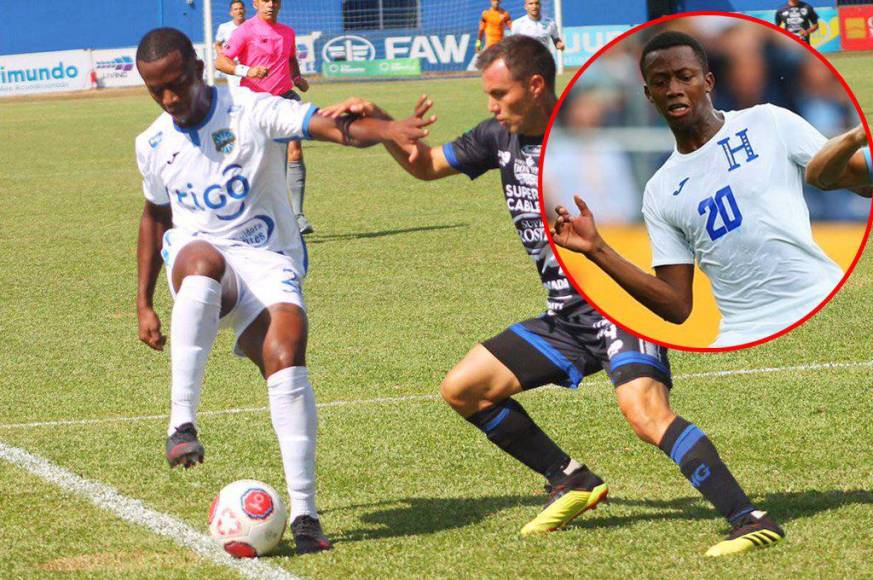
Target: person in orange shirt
(494, 22)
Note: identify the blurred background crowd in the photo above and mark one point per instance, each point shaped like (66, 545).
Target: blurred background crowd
(608, 140)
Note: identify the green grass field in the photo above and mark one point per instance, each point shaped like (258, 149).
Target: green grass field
(405, 278)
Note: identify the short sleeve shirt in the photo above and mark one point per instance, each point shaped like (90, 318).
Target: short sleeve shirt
(796, 18)
(225, 177)
(258, 43)
(736, 207)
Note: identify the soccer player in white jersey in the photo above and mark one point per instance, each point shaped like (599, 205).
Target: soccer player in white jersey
(535, 25)
(730, 197)
(844, 161)
(216, 212)
(225, 29)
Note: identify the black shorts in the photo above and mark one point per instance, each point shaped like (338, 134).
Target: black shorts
(563, 351)
(291, 95)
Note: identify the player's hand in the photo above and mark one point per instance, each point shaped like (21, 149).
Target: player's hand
(560, 45)
(353, 106)
(577, 233)
(406, 133)
(302, 84)
(150, 328)
(803, 33)
(422, 106)
(257, 72)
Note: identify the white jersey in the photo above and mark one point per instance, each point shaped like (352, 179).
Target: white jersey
(736, 207)
(544, 29)
(225, 178)
(222, 35)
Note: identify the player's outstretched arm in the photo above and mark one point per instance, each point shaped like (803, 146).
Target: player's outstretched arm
(156, 219)
(418, 159)
(357, 130)
(839, 164)
(668, 294)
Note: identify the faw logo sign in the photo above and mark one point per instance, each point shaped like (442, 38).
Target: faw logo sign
(434, 49)
(348, 47)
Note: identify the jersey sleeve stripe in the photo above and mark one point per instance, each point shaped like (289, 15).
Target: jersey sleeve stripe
(306, 120)
(449, 152)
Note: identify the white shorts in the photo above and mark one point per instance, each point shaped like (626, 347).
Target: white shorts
(262, 277)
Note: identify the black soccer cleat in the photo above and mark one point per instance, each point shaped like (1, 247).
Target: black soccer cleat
(754, 530)
(308, 537)
(183, 448)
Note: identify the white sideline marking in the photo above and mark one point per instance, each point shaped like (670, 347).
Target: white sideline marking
(382, 400)
(108, 498)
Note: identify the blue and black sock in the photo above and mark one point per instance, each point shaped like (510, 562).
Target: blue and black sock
(509, 427)
(697, 458)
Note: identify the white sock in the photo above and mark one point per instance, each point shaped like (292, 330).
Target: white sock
(572, 466)
(193, 327)
(292, 409)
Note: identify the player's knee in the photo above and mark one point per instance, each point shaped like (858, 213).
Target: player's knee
(454, 390)
(280, 355)
(199, 262)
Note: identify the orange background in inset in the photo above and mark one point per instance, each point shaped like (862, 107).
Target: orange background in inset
(839, 241)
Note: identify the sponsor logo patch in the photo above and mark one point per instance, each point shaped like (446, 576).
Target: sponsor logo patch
(156, 139)
(224, 140)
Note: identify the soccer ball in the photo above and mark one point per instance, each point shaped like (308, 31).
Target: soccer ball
(247, 518)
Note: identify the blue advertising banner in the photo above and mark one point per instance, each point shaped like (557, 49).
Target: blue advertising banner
(584, 41)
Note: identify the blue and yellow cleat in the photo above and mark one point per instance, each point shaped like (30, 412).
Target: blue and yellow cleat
(577, 493)
(755, 530)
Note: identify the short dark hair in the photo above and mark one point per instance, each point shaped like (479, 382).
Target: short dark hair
(232, 2)
(672, 38)
(524, 57)
(160, 42)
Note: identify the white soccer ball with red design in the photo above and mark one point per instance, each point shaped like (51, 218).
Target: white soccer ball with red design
(247, 518)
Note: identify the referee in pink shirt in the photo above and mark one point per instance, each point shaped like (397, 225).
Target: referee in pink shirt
(267, 52)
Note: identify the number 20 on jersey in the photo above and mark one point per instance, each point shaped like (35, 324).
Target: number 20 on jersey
(722, 213)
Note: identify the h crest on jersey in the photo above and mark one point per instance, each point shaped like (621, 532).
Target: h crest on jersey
(730, 152)
(224, 140)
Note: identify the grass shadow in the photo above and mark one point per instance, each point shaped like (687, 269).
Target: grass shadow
(422, 516)
(321, 239)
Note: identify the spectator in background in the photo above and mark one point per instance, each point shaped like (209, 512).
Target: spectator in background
(535, 25)
(267, 52)
(797, 18)
(588, 156)
(222, 35)
(493, 24)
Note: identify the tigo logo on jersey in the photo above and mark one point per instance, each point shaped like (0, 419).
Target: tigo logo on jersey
(224, 140)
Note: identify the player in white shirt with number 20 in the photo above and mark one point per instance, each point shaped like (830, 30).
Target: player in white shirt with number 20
(730, 197)
(216, 212)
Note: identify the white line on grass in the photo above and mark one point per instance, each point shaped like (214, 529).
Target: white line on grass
(108, 498)
(384, 400)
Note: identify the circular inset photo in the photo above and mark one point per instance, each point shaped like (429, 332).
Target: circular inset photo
(706, 179)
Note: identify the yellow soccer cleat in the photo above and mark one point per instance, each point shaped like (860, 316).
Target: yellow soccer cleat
(578, 492)
(755, 530)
